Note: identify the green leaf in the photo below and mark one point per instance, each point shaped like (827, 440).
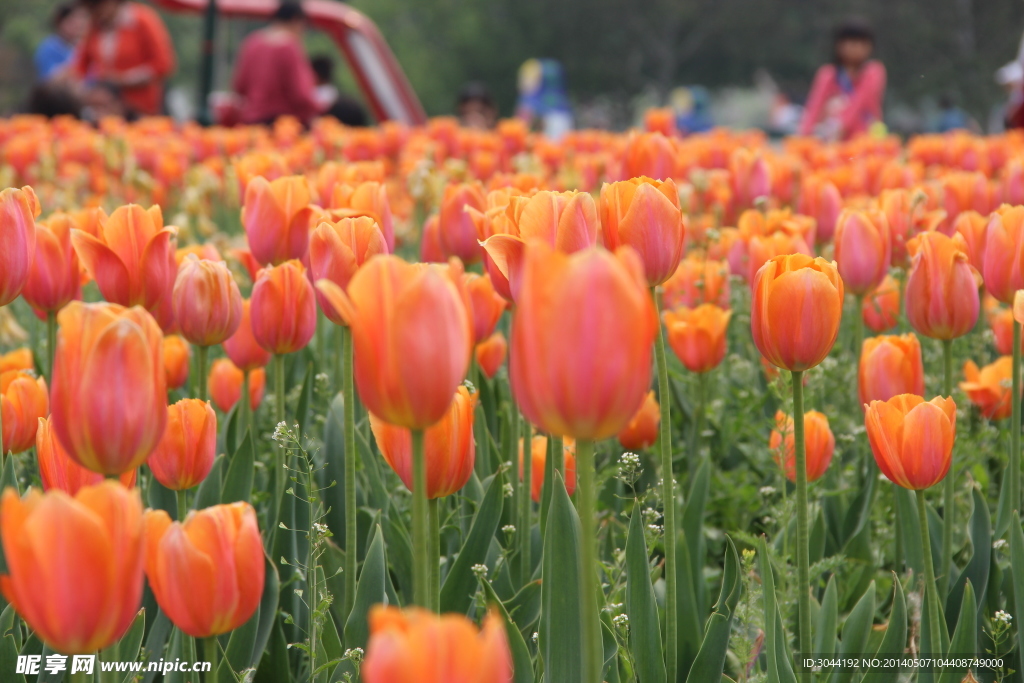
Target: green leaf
(8, 477)
(334, 468)
(825, 629)
(127, 648)
(305, 398)
(524, 607)
(856, 630)
(895, 640)
(710, 660)
(241, 472)
(522, 663)
(267, 612)
(641, 605)
(155, 641)
(274, 666)
(780, 669)
(209, 491)
(369, 592)
(965, 637)
(8, 646)
(455, 593)
(1017, 560)
(906, 515)
(693, 524)
(979, 530)
(689, 631)
(561, 621)
(859, 512)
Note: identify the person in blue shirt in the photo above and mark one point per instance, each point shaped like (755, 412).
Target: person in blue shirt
(54, 53)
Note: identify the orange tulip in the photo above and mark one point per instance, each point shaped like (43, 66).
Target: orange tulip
(697, 281)
(430, 244)
(650, 155)
(990, 387)
(74, 565)
(973, 227)
(55, 277)
(1004, 253)
(486, 306)
(283, 308)
(819, 444)
(131, 258)
(490, 354)
(820, 199)
(942, 290)
(241, 347)
(642, 430)
(18, 211)
(338, 250)
(456, 230)
(751, 176)
(225, 383)
(568, 374)
(368, 198)
(177, 357)
(185, 454)
(645, 215)
(109, 392)
(538, 461)
(912, 439)
(881, 308)
(412, 337)
(276, 218)
(206, 301)
(795, 312)
(889, 366)
(24, 400)
(697, 335)
(763, 248)
(19, 359)
(207, 572)
(863, 250)
(448, 447)
(58, 471)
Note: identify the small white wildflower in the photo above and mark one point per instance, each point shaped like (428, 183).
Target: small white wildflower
(320, 528)
(629, 460)
(355, 654)
(621, 620)
(536, 637)
(1004, 617)
(509, 528)
(656, 528)
(507, 490)
(768, 519)
(999, 544)
(281, 432)
(768, 490)
(480, 570)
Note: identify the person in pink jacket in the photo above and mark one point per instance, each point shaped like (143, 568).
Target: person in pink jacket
(846, 97)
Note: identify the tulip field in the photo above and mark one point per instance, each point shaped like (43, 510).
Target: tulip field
(438, 405)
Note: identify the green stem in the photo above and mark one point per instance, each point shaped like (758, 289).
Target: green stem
(312, 586)
(587, 504)
(858, 328)
(930, 586)
(279, 474)
(803, 577)
(668, 496)
(558, 456)
(51, 343)
(182, 504)
(210, 650)
(948, 485)
(188, 651)
(698, 422)
(434, 556)
(1015, 424)
(321, 337)
(351, 542)
(420, 528)
(340, 339)
(245, 407)
(483, 452)
(526, 509)
(201, 355)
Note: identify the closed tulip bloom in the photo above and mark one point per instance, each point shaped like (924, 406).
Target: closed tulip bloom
(456, 230)
(131, 257)
(697, 281)
(412, 337)
(55, 277)
(225, 383)
(697, 335)
(820, 199)
(368, 198)
(487, 305)
(276, 218)
(973, 227)
(649, 154)
(109, 392)
(177, 357)
(644, 214)
(490, 354)
(889, 366)
(430, 243)
(763, 248)
(863, 250)
(1018, 307)
(538, 461)
(58, 471)
(206, 301)
(881, 308)
(1004, 253)
(207, 572)
(18, 212)
(642, 430)
(794, 316)
(283, 308)
(241, 347)
(569, 375)
(19, 359)
(74, 565)
(338, 250)
(912, 439)
(185, 454)
(942, 290)
(24, 400)
(448, 447)
(990, 388)
(819, 444)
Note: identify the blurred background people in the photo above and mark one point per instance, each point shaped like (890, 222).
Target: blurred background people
(542, 97)
(846, 96)
(476, 108)
(127, 46)
(692, 107)
(53, 55)
(331, 100)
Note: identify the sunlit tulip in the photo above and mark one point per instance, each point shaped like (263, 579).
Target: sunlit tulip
(990, 387)
(569, 375)
(973, 227)
(538, 462)
(486, 306)
(338, 250)
(55, 277)
(819, 444)
(19, 359)
(177, 358)
(490, 354)
(412, 337)
(418, 646)
(370, 199)
(889, 366)
(697, 335)
(1004, 253)
(58, 471)
(881, 308)
(456, 230)
(109, 390)
(207, 572)
(697, 281)
(206, 301)
(276, 218)
(185, 454)
(74, 565)
(651, 155)
(283, 308)
(863, 250)
(763, 248)
(241, 347)
(24, 400)
(795, 312)
(225, 383)
(448, 447)
(912, 439)
(644, 214)
(18, 212)
(642, 430)
(942, 290)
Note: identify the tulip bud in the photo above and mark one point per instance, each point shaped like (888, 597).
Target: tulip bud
(58, 471)
(490, 354)
(185, 454)
(863, 250)
(538, 463)
(456, 230)
(649, 154)
(369, 198)
(942, 290)
(241, 347)
(990, 387)
(644, 214)
(206, 301)
(697, 281)
(276, 218)
(819, 444)
(19, 359)
(283, 308)
(1004, 253)
(890, 366)
(820, 199)
(973, 227)
(338, 250)
(881, 308)
(486, 306)
(55, 277)
(24, 400)
(912, 439)
(177, 357)
(697, 335)
(225, 383)
(642, 430)
(18, 212)
(430, 244)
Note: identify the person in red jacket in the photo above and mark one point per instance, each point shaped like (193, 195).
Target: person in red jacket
(273, 76)
(846, 97)
(127, 46)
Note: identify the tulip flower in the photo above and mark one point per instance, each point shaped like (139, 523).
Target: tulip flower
(74, 565)
(650, 155)
(276, 218)
(18, 212)
(490, 354)
(370, 199)
(973, 227)
(207, 572)
(177, 356)
(763, 248)
(486, 306)
(430, 243)
(863, 250)
(19, 359)
(697, 335)
(989, 387)
(1004, 253)
(889, 366)
(880, 309)
(241, 347)
(283, 308)
(820, 199)
(456, 230)
(819, 443)
(942, 290)
(186, 452)
(109, 390)
(58, 471)
(751, 176)
(55, 276)
(226, 380)
(338, 250)
(645, 215)
(206, 301)
(912, 439)
(24, 400)
(538, 461)
(416, 646)
(697, 281)
(642, 430)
